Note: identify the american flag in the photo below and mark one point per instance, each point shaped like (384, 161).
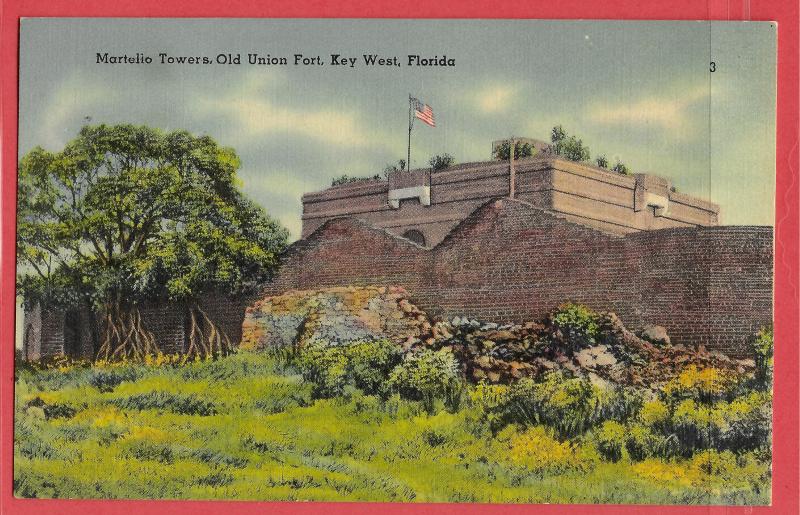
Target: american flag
(423, 112)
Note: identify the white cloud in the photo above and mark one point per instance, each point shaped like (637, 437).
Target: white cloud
(72, 100)
(665, 111)
(494, 98)
(256, 113)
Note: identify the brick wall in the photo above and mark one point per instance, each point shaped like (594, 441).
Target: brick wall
(46, 331)
(166, 322)
(510, 261)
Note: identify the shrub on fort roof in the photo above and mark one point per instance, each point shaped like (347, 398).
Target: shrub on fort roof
(621, 168)
(520, 150)
(578, 325)
(429, 376)
(391, 168)
(568, 146)
(346, 179)
(441, 161)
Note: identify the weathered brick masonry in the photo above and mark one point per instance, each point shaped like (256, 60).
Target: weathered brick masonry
(76, 332)
(512, 261)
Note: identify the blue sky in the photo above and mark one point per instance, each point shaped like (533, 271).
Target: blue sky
(636, 91)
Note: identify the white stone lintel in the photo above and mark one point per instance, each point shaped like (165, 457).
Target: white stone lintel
(659, 202)
(423, 193)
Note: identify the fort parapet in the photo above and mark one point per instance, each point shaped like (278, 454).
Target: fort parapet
(425, 206)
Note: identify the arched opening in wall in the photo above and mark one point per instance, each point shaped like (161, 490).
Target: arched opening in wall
(415, 236)
(72, 333)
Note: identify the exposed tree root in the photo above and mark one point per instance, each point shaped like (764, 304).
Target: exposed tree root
(205, 338)
(124, 335)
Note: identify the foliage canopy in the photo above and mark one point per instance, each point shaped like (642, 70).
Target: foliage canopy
(125, 214)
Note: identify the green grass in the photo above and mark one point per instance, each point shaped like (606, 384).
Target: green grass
(246, 427)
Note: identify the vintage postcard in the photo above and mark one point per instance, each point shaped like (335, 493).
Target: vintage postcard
(474, 261)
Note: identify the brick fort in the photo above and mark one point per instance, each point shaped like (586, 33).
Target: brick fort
(510, 240)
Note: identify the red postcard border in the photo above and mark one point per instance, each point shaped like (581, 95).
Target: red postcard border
(786, 456)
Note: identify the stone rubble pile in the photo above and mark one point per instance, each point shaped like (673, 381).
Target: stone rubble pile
(496, 353)
(502, 353)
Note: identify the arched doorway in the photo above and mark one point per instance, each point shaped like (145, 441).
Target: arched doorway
(415, 236)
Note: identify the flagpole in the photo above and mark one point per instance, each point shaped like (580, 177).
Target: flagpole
(410, 123)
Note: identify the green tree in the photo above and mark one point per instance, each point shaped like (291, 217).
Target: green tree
(558, 134)
(390, 168)
(568, 146)
(520, 150)
(622, 168)
(127, 214)
(441, 161)
(602, 161)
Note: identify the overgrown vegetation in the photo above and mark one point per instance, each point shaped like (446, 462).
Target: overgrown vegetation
(250, 426)
(571, 147)
(578, 325)
(441, 161)
(394, 167)
(568, 146)
(621, 168)
(346, 179)
(521, 149)
(763, 348)
(371, 421)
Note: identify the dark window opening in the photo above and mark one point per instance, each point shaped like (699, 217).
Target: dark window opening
(72, 333)
(415, 236)
(408, 202)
